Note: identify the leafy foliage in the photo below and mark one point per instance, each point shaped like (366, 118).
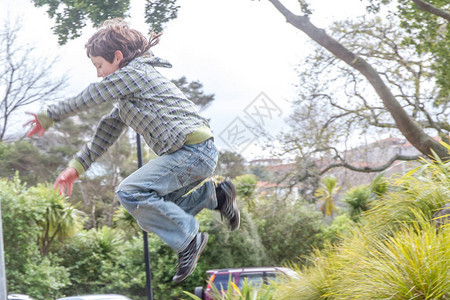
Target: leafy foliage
(413, 263)
(230, 164)
(245, 187)
(22, 212)
(337, 229)
(358, 198)
(60, 222)
(24, 157)
(71, 16)
(158, 13)
(428, 33)
(327, 190)
(194, 91)
(394, 252)
(288, 230)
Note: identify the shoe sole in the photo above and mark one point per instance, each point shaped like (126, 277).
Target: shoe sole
(194, 265)
(237, 223)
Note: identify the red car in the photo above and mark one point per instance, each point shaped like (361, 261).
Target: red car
(255, 276)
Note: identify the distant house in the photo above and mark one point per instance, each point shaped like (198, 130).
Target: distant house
(266, 161)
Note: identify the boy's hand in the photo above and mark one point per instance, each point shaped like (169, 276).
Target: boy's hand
(66, 180)
(37, 127)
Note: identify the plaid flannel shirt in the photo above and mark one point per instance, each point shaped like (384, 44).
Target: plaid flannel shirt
(145, 100)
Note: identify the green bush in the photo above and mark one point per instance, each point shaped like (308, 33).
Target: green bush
(23, 212)
(336, 230)
(288, 231)
(358, 199)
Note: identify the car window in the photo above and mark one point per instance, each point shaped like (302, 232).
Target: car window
(271, 276)
(221, 281)
(254, 279)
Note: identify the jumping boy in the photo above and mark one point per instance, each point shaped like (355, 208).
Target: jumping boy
(156, 195)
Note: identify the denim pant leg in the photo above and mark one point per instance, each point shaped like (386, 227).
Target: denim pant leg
(148, 193)
(195, 198)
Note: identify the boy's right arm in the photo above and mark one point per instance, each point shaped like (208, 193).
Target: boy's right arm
(36, 126)
(117, 85)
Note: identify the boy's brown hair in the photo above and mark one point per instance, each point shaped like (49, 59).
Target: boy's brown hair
(117, 35)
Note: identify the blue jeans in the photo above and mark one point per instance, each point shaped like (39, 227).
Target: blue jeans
(155, 194)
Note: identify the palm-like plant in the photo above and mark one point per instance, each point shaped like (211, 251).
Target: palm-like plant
(327, 190)
(358, 199)
(60, 221)
(124, 221)
(107, 240)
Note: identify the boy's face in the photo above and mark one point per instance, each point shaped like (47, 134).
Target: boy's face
(104, 67)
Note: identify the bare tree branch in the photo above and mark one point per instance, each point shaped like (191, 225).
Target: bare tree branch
(367, 169)
(24, 80)
(409, 128)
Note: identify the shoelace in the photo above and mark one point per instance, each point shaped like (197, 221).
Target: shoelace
(187, 256)
(227, 209)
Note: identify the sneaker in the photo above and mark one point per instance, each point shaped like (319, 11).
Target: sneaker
(229, 209)
(187, 259)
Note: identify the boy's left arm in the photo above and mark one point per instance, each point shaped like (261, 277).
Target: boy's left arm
(108, 131)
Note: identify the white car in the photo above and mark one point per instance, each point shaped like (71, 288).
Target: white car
(96, 297)
(19, 297)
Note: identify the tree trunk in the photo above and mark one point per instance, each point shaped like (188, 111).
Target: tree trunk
(407, 126)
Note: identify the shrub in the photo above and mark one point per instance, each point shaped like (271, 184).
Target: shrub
(23, 212)
(395, 252)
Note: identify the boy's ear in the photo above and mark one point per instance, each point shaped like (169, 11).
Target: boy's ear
(118, 56)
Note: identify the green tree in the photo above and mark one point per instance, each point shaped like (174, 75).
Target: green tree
(289, 233)
(408, 127)
(428, 25)
(230, 164)
(194, 91)
(325, 118)
(334, 232)
(245, 188)
(70, 17)
(23, 212)
(87, 257)
(25, 158)
(358, 198)
(362, 198)
(326, 192)
(61, 220)
(245, 185)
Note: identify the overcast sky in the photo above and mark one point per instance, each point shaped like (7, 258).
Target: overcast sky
(243, 51)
